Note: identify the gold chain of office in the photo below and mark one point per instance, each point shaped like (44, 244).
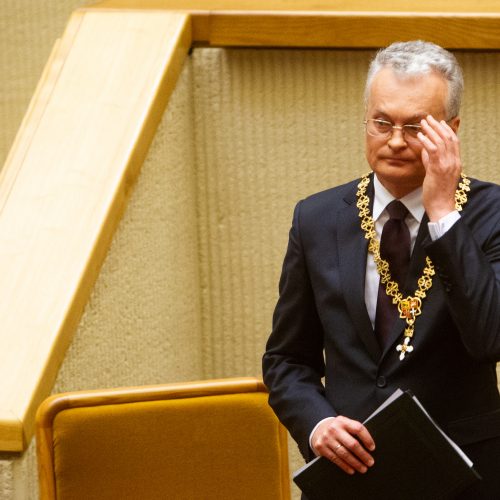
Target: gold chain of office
(410, 307)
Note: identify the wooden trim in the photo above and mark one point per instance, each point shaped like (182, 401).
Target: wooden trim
(122, 395)
(284, 472)
(327, 23)
(57, 403)
(306, 5)
(12, 430)
(346, 29)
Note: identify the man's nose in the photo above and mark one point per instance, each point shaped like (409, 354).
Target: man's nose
(397, 139)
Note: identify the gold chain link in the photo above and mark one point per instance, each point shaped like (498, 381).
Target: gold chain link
(410, 307)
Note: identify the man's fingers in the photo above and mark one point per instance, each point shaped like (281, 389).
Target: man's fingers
(439, 129)
(440, 146)
(439, 135)
(433, 131)
(345, 454)
(428, 145)
(359, 430)
(337, 460)
(357, 451)
(356, 440)
(345, 443)
(454, 140)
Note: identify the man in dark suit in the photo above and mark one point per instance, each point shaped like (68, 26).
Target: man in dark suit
(430, 321)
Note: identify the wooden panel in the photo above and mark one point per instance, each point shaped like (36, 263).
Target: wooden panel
(64, 187)
(310, 5)
(350, 29)
(328, 23)
(11, 430)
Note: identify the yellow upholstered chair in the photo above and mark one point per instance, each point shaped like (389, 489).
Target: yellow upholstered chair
(213, 439)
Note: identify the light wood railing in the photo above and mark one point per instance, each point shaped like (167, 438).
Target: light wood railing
(64, 186)
(328, 23)
(65, 183)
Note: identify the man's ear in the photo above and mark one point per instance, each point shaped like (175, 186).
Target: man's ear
(454, 123)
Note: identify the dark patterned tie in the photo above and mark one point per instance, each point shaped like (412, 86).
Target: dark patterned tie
(395, 249)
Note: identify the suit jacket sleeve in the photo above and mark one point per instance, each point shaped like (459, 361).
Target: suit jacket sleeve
(293, 364)
(467, 261)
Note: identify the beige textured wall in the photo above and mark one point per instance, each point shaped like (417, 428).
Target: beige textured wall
(480, 118)
(142, 323)
(272, 127)
(28, 29)
(189, 285)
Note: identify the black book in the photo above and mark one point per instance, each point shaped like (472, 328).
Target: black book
(414, 459)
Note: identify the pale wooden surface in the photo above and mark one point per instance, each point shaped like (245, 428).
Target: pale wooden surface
(328, 23)
(347, 29)
(308, 5)
(64, 186)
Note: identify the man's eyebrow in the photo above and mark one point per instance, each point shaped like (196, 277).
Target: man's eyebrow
(381, 113)
(416, 118)
(412, 120)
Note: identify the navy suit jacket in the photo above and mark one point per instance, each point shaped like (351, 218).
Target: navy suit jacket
(321, 326)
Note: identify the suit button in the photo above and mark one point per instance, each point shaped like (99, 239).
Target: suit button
(381, 382)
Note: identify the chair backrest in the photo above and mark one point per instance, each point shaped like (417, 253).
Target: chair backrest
(201, 440)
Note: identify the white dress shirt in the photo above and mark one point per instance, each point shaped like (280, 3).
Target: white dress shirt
(413, 202)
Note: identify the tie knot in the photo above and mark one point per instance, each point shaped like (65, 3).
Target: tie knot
(397, 210)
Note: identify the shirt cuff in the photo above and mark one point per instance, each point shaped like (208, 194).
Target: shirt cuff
(313, 431)
(439, 228)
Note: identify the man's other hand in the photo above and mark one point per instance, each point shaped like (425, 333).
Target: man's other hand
(345, 442)
(441, 160)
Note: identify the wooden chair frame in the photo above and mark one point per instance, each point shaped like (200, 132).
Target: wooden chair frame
(58, 403)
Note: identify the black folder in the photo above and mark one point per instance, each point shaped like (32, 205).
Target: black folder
(414, 460)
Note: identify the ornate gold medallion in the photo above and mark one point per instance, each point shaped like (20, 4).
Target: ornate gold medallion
(410, 307)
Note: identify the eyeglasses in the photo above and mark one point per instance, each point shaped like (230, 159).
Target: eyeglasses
(384, 129)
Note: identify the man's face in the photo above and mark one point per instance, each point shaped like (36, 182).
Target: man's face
(403, 100)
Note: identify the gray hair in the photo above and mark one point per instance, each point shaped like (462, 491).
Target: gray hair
(418, 58)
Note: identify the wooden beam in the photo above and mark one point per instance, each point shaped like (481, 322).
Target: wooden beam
(346, 29)
(329, 23)
(192, 6)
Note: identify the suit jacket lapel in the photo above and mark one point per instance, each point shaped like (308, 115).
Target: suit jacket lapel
(352, 250)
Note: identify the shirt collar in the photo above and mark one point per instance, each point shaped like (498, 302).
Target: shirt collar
(412, 201)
